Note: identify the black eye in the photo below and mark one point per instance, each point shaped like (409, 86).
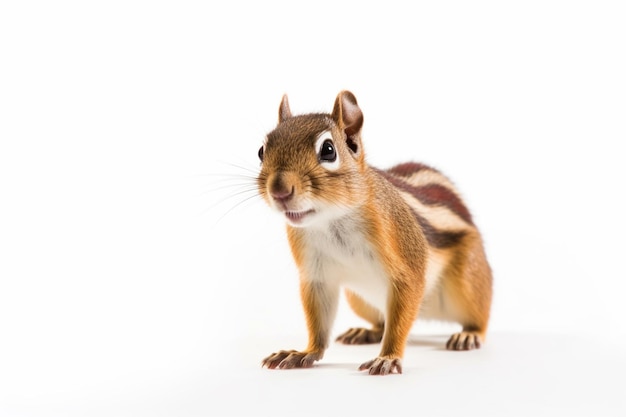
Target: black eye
(261, 153)
(327, 151)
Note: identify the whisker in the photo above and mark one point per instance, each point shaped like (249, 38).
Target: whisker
(229, 176)
(244, 166)
(254, 171)
(229, 189)
(236, 206)
(233, 181)
(237, 191)
(240, 187)
(247, 194)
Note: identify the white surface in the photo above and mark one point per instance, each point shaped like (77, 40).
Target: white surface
(140, 276)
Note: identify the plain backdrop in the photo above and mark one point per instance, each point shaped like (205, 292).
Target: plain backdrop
(140, 274)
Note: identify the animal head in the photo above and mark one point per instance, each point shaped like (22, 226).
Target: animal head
(312, 164)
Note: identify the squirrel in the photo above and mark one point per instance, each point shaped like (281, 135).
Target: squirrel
(400, 242)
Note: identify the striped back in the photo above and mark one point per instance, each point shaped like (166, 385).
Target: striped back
(434, 200)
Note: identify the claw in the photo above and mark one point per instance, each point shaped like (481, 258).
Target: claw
(289, 359)
(464, 341)
(382, 366)
(360, 336)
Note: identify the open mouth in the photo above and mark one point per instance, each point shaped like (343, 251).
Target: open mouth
(297, 216)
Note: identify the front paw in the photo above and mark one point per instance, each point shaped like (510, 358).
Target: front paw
(382, 366)
(289, 359)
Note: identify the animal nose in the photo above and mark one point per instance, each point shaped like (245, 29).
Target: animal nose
(282, 194)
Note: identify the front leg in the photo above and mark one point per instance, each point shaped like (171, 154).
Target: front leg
(402, 307)
(319, 301)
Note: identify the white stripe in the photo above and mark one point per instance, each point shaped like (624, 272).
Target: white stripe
(440, 217)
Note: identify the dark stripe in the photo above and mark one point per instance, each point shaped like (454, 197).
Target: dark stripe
(432, 195)
(440, 239)
(408, 168)
(438, 195)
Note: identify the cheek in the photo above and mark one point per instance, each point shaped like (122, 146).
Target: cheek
(331, 187)
(261, 184)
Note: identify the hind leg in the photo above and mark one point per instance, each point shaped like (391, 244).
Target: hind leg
(359, 336)
(469, 288)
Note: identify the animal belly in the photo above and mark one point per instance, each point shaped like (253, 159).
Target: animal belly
(368, 280)
(435, 304)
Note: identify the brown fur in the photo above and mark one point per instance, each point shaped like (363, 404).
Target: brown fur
(408, 223)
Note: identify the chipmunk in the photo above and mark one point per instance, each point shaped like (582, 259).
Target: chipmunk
(400, 242)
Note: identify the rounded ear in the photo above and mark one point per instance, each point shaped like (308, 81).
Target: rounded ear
(284, 112)
(348, 116)
(347, 113)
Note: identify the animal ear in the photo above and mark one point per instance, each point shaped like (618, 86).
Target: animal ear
(348, 116)
(284, 112)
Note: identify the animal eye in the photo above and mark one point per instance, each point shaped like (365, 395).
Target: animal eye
(261, 153)
(327, 151)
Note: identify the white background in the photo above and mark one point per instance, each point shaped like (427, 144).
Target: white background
(141, 275)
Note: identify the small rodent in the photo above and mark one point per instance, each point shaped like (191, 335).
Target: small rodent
(401, 242)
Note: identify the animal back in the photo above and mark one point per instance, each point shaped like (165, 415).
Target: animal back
(434, 200)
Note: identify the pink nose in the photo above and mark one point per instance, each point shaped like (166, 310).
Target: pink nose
(282, 195)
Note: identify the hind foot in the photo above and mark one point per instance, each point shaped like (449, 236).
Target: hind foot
(464, 341)
(360, 336)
